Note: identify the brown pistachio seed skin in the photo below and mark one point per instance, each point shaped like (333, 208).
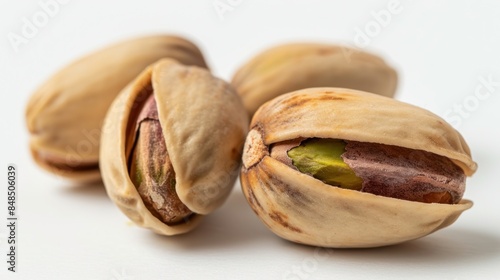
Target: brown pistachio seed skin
(403, 173)
(151, 169)
(196, 112)
(395, 172)
(65, 115)
(295, 66)
(303, 209)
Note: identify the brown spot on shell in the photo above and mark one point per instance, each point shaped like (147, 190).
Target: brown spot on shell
(277, 186)
(252, 199)
(294, 102)
(327, 51)
(300, 100)
(282, 219)
(331, 96)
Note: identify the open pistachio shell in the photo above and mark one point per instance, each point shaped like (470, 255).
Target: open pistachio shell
(203, 123)
(291, 67)
(302, 209)
(64, 116)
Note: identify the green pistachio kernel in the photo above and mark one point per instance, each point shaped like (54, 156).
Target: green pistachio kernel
(322, 159)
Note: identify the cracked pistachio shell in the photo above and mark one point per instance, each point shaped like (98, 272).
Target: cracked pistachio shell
(64, 116)
(291, 67)
(302, 209)
(204, 127)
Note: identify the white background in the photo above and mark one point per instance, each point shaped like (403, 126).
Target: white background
(442, 49)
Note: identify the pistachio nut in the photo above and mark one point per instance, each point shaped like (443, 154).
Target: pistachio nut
(64, 116)
(296, 66)
(338, 167)
(171, 146)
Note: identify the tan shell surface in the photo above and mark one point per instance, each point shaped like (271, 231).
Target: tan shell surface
(64, 116)
(361, 116)
(204, 125)
(291, 67)
(303, 209)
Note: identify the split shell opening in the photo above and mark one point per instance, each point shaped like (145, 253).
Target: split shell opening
(300, 208)
(195, 112)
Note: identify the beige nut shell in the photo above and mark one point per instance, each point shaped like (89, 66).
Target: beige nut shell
(204, 125)
(302, 209)
(64, 116)
(296, 66)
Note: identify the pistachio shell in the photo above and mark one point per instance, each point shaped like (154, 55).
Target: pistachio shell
(302, 209)
(361, 116)
(204, 125)
(64, 116)
(297, 66)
